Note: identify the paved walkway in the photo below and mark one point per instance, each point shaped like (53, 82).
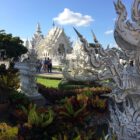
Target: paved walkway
(53, 75)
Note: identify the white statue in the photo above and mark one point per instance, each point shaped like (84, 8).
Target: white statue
(27, 74)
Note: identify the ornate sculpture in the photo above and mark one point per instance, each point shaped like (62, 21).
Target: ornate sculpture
(125, 108)
(27, 74)
(77, 67)
(106, 61)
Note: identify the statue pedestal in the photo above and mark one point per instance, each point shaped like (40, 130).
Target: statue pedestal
(28, 82)
(38, 99)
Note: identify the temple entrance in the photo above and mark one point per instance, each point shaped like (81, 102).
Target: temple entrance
(61, 49)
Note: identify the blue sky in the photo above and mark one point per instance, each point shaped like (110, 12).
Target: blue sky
(20, 17)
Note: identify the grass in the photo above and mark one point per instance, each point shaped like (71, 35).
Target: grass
(48, 82)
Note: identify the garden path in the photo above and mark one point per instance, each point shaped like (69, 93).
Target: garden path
(53, 75)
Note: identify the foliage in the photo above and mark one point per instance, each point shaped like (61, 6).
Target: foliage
(7, 132)
(70, 120)
(94, 91)
(74, 108)
(37, 123)
(74, 118)
(4, 95)
(18, 99)
(53, 95)
(78, 136)
(58, 68)
(9, 81)
(70, 86)
(70, 117)
(98, 103)
(36, 118)
(76, 85)
(2, 69)
(87, 92)
(13, 45)
(107, 137)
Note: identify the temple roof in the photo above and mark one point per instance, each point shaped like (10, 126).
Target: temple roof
(54, 34)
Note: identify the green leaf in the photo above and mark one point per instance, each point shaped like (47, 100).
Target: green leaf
(69, 108)
(80, 110)
(77, 138)
(49, 119)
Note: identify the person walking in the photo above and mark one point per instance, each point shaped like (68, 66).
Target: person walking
(38, 66)
(49, 65)
(45, 64)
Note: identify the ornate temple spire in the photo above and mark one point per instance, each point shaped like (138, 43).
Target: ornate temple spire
(53, 24)
(94, 37)
(27, 44)
(38, 29)
(37, 37)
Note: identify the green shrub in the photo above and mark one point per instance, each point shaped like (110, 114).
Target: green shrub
(18, 99)
(9, 79)
(87, 92)
(64, 85)
(37, 126)
(7, 132)
(69, 86)
(58, 68)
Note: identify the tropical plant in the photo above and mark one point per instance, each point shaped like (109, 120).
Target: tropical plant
(9, 82)
(37, 124)
(19, 99)
(94, 91)
(74, 106)
(82, 135)
(74, 117)
(99, 104)
(37, 119)
(87, 92)
(53, 95)
(7, 132)
(108, 137)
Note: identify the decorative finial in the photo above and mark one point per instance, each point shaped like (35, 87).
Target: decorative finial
(27, 43)
(38, 29)
(79, 35)
(53, 24)
(94, 37)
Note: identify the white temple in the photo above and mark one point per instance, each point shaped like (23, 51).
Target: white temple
(54, 45)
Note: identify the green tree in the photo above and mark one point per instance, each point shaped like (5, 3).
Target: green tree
(12, 45)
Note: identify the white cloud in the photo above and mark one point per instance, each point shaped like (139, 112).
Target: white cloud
(109, 32)
(68, 17)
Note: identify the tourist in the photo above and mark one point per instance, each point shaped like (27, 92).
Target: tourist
(50, 66)
(38, 66)
(46, 64)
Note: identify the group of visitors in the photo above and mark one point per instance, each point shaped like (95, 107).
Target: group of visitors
(45, 65)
